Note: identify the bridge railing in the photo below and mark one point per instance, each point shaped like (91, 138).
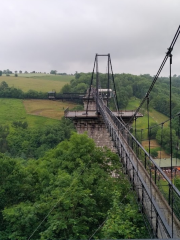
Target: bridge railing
(67, 96)
(66, 111)
(165, 186)
(150, 209)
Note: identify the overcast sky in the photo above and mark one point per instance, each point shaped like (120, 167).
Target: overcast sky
(65, 35)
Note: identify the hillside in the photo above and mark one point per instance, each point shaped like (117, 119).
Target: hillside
(37, 82)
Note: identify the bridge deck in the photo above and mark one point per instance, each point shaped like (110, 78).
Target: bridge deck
(93, 114)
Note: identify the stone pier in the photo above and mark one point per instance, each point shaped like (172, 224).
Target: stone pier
(90, 121)
(96, 130)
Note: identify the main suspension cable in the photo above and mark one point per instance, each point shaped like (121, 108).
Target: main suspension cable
(170, 49)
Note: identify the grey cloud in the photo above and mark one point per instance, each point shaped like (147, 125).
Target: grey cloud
(65, 35)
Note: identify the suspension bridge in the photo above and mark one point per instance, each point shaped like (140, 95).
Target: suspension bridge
(158, 198)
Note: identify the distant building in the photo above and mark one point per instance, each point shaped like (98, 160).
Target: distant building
(165, 163)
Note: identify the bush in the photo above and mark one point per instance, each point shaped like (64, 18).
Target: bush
(154, 152)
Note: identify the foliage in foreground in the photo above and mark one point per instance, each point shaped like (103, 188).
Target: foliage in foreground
(26, 143)
(72, 189)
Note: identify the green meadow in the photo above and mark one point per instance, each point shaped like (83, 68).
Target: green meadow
(14, 110)
(142, 122)
(37, 82)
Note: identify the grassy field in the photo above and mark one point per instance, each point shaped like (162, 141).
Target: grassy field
(154, 145)
(47, 108)
(133, 103)
(35, 112)
(142, 122)
(38, 82)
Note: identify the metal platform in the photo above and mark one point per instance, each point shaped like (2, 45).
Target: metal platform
(125, 115)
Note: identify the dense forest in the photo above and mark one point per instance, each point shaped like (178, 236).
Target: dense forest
(67, 194)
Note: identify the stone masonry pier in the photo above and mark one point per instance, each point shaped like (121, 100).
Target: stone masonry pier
(91, 122)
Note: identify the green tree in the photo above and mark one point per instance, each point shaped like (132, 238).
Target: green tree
(27, 143)
(21, 124)
(154, 152)
(81, 88)
(4, 131)
(177, 183)
(77, 75)
(3, 85)
(0, 73)
(53, 72)
(74, 180)
(66, 88)
(153, 130)
(123, 220)
(163, 137)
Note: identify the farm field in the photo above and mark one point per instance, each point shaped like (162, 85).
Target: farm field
(47, 108)
(14, 110)
(35, 112)
(38, 82)
(154, 144)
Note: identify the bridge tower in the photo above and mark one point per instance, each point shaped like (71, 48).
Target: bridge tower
(90, 120)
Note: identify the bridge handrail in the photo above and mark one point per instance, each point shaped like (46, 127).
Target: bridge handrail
(66, 111)
(69, 95)
(155, 206)
(154, 163)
